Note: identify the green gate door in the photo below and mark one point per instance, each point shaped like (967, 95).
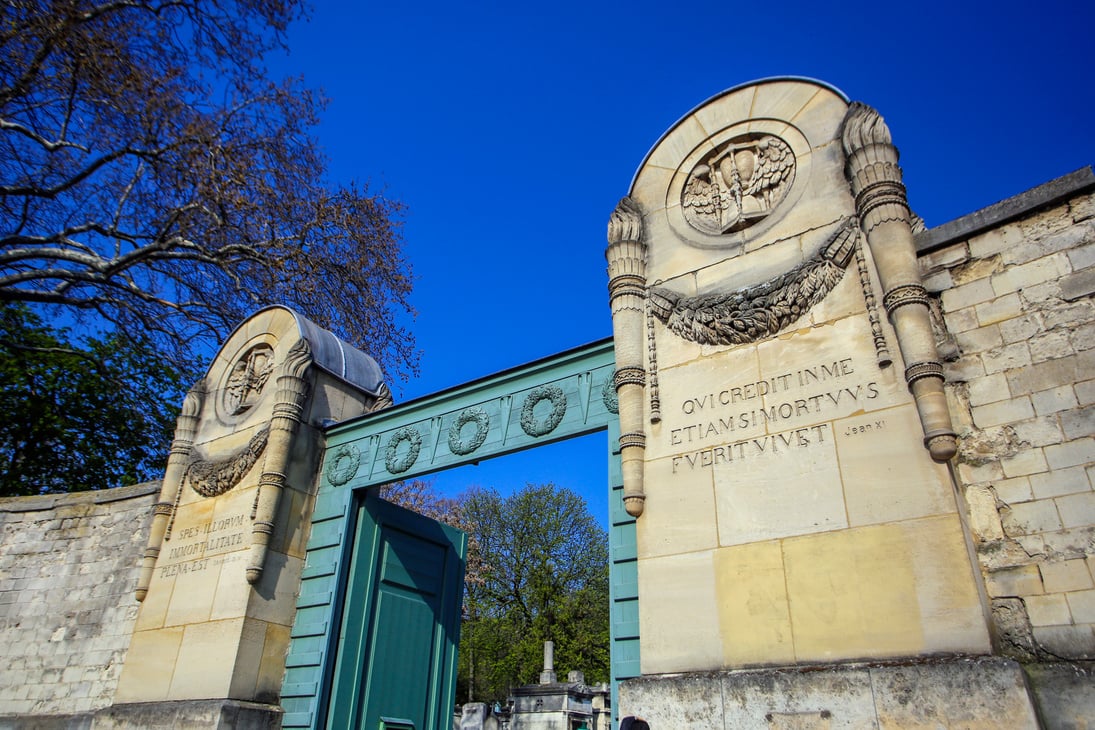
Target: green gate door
(397, 664)
(357, 609)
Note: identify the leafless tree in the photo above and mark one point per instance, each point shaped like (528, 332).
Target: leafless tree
(155, 180)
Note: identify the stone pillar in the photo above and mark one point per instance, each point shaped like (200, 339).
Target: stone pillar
(884, 216)
(626, 256)
(547, 676)
(163, 510)
(292, 391)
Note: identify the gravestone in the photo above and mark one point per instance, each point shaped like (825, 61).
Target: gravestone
(220, 577)
(785, 432)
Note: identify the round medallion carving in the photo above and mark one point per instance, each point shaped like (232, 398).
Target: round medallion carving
(738, 184)
(395, 463)
(247, 379)
(462, 447)
(539, 427)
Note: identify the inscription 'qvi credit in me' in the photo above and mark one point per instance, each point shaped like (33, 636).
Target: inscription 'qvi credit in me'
(718, 426)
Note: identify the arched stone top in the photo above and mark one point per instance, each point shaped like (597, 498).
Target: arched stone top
(751, 168)
(329, 353)
(728, 92)
(241, 380)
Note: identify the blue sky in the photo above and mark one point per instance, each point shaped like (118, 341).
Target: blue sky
(511, 130)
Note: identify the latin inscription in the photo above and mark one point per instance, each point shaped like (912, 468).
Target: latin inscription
(192, 546)
(195, 566)
(722, 427)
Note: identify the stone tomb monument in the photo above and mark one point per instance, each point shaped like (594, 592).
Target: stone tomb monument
(219, 578)
(785, 433)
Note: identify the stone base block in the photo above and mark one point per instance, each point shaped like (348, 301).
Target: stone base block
(1065, 693)
(220, 714)
(941, 693)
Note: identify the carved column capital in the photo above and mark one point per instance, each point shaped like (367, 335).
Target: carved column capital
(186, 427)
(383, 400)
(883, 210)
(872, 169)
(626, 222)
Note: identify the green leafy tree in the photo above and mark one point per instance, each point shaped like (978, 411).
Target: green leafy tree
(542, 574)
(74, 419)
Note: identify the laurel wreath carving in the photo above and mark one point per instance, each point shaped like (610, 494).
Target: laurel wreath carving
(392, 460)
(529, 423)
(609, 396)
(343, 464)
(747, 315)
(211, 478)
(462, 447)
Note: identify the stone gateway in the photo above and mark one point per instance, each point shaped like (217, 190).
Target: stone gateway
(851, 472)
(786, 433)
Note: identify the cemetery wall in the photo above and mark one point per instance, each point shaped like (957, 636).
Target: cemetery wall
(68, 569)
(1014, 285)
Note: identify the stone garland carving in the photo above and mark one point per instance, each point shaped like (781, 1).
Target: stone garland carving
(343, 464)
(883, 210)
(529, 422)
(881, 349)
(210, 478)
(652, 364)
(186, 425)
(751, 314)
(738, 184)
(392, 460)
(463, 447)
(626, 256)
(291, 393)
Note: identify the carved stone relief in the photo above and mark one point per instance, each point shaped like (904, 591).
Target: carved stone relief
(247, 378)
(738, 184)
(747, 315)
(211, 477)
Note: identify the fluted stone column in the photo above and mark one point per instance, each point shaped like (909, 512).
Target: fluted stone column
(178, 458)
(292, 391)
(626, 255)
(883, 210)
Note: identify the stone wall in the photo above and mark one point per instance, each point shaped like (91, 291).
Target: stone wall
(1014, 284)
(68, 569)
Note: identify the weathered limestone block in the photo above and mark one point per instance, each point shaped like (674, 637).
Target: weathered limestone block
(965, 693)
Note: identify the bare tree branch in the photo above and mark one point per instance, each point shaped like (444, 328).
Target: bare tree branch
(128, 190)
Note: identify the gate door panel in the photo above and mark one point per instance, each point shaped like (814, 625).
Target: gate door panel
(361, 574)
(400, 630)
